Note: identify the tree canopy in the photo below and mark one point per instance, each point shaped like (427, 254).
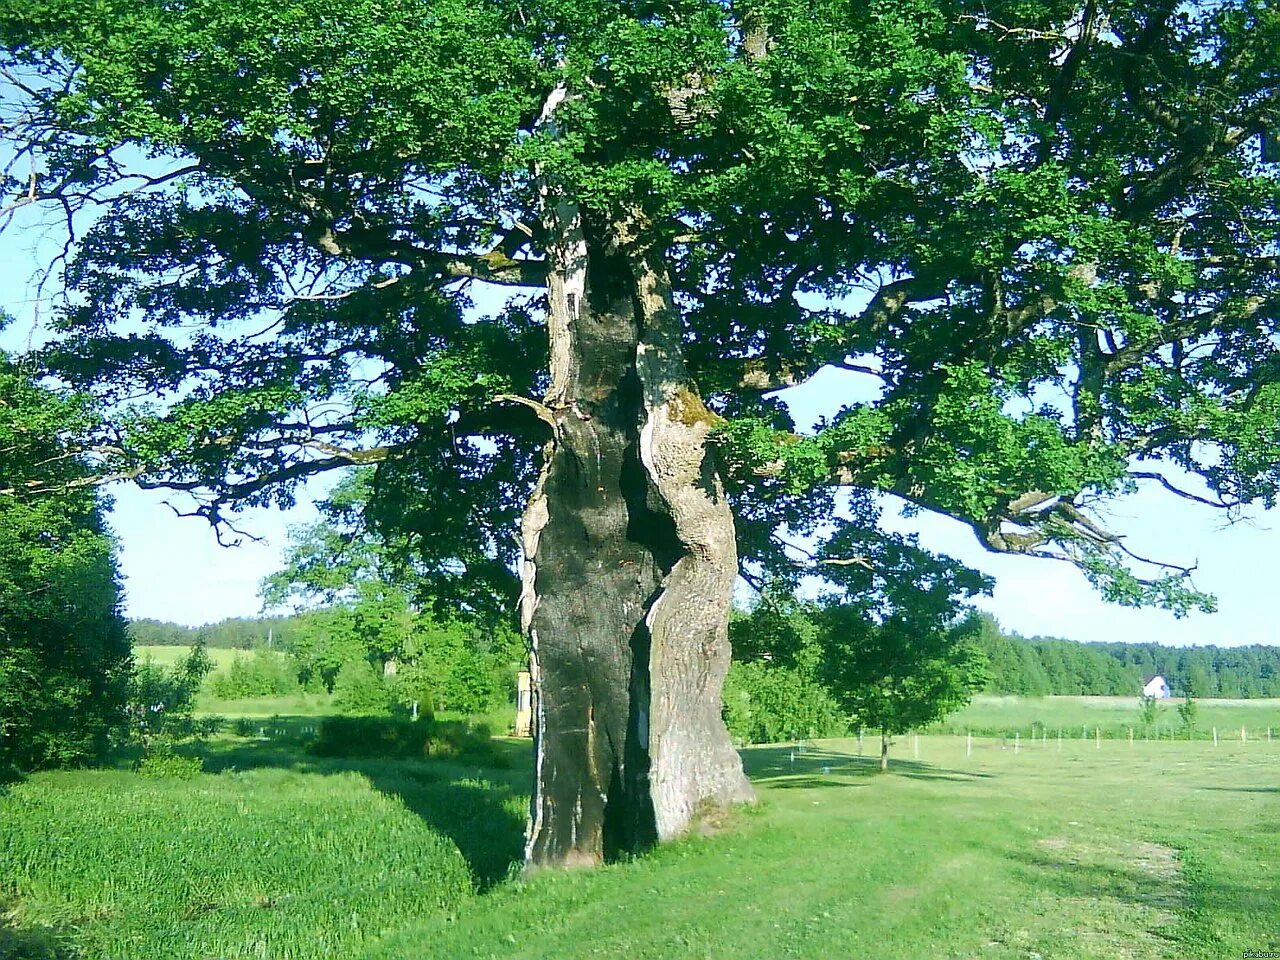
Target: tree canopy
(1043, 231)
(564, 254)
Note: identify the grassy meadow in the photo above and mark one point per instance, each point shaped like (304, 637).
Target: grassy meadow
(1110, 717)
(1162, 849)
(167, 656)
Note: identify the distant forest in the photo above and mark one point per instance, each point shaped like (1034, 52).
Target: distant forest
(1034, 666)
(1038, 666)
(236, 633)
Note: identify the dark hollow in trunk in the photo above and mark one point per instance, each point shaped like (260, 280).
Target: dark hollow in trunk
(626, 580)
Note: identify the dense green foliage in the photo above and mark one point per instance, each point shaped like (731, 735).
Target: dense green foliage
(764, 703)
(162, 698)
(359, 689)
(449, 665)
(373, 610)
(1040, 233)
(813, 669)
(446, 665)
(266, 673)
(896, 677)
(399, 737)
(64, 655)
(460, 665)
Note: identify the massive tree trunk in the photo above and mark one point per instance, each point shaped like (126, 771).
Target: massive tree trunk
(629, 564)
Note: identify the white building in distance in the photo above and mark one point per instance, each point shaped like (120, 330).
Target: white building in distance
(1156, 687)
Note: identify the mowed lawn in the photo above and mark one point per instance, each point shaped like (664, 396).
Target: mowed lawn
(1162, 850)
(1159, 850)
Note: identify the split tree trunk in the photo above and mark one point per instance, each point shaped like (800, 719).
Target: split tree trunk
(629, 565)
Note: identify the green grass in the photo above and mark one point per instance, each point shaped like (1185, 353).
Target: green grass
(294, 705)
(166, 656)
(1151, 851)
(1113, 717)
(262, 863)
(1165, 850)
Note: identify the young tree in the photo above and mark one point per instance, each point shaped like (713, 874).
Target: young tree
(1148, 711)
(64, 654)
(162, 700)
(1043, 230)
(905, 672)
(1188, 713)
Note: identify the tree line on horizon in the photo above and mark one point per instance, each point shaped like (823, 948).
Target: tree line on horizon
(1052, 666)
(1017, 665)
(233, 633)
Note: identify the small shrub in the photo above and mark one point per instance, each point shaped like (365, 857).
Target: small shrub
(161, 701)
(161, 763)
(1148, 711)
(246, 726)
(1188, 713)
(397, 737)
(267, 673)
(461, 741)
(359, 690)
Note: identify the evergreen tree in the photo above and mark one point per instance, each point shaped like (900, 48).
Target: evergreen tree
(64, 654)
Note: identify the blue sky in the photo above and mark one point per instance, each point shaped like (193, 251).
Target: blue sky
(174, 568)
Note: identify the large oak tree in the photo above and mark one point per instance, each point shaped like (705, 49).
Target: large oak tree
(1043, 230)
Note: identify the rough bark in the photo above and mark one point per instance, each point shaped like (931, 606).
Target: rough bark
(629, 563)
(884, 752)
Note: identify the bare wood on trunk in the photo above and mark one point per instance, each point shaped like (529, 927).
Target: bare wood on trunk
(629, 560)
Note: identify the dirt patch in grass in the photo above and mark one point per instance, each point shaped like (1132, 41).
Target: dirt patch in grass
(1053, 843)
(1125, 895)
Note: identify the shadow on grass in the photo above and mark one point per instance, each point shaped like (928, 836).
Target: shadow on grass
(785, 768)
(1243, 789)
(1078, 876)
(1191, 906)
(800, 782)
(31, 943)
(480, 808)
